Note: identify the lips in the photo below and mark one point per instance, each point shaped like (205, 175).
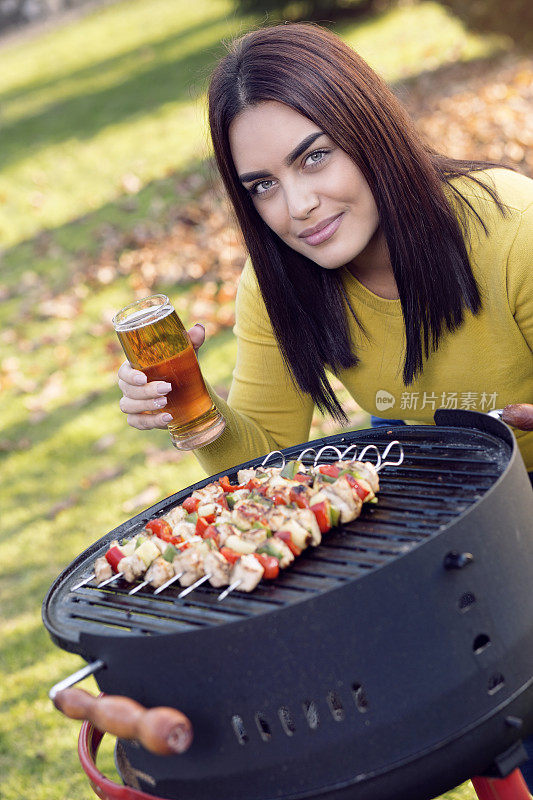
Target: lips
(322, 231)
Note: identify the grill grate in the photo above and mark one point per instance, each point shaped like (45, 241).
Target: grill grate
(438, 480)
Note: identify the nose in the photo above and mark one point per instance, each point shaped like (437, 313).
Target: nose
(301, 199)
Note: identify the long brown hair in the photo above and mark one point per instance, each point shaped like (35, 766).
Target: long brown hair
(315, 73)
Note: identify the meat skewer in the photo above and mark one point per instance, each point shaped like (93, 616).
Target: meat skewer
(234, 535)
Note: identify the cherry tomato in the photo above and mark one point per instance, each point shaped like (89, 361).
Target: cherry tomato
(113, 556)
(230, 555)
(160, 528)
(191, 504)
(269, 564)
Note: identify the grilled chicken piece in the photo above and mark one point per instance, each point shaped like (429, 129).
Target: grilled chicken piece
(255, 536)
(102, 569)
(209, 494)
(225, 529)
(216, 566)
(132, 567)
(246, 512)
(248, 571)
(244, 475)
(191, 563)
(306, 518)
(185, 529)
(368, 472)
(159, 572)
(175, 516)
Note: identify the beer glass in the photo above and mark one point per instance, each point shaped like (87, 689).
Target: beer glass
(155, 342)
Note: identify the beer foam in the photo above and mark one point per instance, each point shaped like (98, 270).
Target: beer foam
(143, 317)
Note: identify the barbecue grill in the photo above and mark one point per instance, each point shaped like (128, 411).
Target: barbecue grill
(396, 660)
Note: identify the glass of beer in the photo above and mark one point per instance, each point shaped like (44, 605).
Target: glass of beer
(155, 342)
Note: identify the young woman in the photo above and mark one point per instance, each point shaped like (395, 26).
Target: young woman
(405, 273)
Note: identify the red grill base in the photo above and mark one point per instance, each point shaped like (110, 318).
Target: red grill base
(513, 787)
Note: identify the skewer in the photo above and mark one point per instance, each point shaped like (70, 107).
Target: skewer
(230, 589)
(273, 453)
(364, 451)
(169, 582)
(386, 453)
(307, 450)
(139, 587)
(327, 447)
(350, 447)
(189, 589)
(82, 583)
(111, 579)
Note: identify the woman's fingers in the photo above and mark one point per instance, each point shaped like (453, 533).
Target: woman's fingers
(519, 415)
(127, 374)
(146, 422)
(150, 391)
(197, 335)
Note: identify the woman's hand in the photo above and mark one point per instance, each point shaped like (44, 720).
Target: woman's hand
(139, 396)
(519, 415)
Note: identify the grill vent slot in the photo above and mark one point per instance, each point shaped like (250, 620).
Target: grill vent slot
(263, 727)
(239, 729)
(466, 601)
(359, 696)
(287, 722)
(481, 642)
(335, 706)
(311, 714)
(496, 682)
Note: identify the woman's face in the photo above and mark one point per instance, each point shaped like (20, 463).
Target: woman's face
(303, 186)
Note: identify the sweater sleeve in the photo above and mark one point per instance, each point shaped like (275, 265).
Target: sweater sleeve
(265, 411)
(520, 276)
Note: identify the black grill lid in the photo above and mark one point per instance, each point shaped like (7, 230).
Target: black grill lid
(445, 471)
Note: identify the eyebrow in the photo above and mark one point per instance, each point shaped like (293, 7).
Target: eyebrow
(291, 158)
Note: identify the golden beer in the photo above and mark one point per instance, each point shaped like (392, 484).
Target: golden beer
(155, 342)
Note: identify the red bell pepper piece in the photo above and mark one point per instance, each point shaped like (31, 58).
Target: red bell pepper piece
(230, 555)
(191, 504)
(161, 528)
(329, 469)
(113, 556)
(286, 537)
(201, 526)
(299, 498)
(323, 517)
(227, 486)
(301, 477)
(212, 533)
(361, 491)
(269, 564)
(176, 540)
(279, 500)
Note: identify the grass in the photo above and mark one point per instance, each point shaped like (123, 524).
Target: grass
(102, 119)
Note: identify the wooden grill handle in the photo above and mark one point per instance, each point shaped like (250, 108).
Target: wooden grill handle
(162, 730)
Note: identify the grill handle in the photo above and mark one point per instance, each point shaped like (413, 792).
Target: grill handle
(162, 730)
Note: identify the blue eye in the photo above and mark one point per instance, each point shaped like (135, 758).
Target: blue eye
(317, 156)
(261, 187)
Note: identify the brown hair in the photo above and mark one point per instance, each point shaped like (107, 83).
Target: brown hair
(314, 72)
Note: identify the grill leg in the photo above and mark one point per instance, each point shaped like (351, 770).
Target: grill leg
(513, 787)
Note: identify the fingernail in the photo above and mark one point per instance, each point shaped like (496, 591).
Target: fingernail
(140, 380)
(160, 402)
(163, 388)
(167, 417)
(199, 325)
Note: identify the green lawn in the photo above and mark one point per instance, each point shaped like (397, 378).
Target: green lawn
(102, 120)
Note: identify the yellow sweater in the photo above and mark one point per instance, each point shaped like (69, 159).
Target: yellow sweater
(485, 364)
